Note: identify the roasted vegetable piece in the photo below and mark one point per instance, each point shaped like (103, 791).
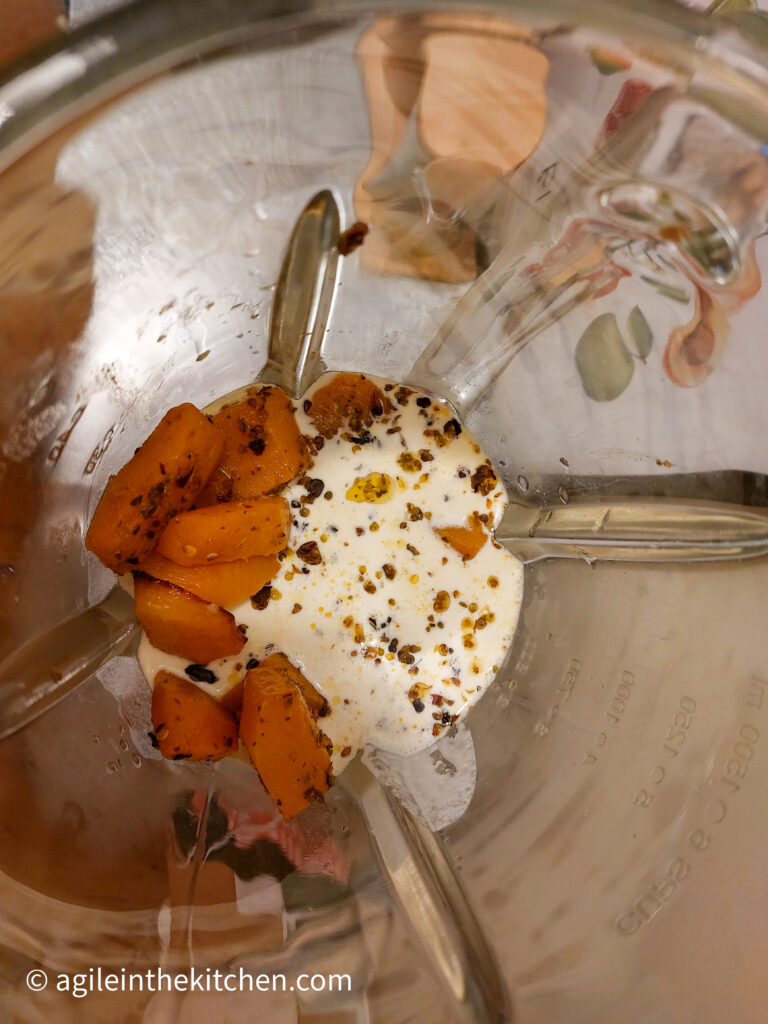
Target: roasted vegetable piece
(225, 584)
(180, 623)
(290, 753)
(188, 723)
(467, 540)
(316, 702)
(233, 699)
(223, 533)
(163, 478)
(263, 448)
(349, 399)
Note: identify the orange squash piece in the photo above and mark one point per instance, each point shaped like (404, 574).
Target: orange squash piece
(224, 533)
(233, 699)
(225, 583)
(316, 702)
(263, 448)
(467, 540)
(163, 478)
(188, 723)
(180, 623)
(290, 753)
(349, 399)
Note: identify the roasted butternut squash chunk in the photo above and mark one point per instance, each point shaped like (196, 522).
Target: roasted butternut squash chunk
(188, 723)
(349, 399)
(163, 478)
(180, 623)
(467, 540)
(225, 583)
(290, 753)
(316, 702)
(233, 699)
(263, 448)
(223, 533)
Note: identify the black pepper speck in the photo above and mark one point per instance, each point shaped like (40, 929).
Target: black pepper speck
(201, 674)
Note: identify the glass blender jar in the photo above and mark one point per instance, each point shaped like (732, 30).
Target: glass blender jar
(565, 204)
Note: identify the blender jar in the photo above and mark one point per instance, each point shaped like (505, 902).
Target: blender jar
(565, 204)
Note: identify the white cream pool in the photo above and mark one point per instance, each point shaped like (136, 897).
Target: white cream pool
(368, 625)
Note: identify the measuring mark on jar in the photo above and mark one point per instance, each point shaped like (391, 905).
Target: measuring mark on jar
(61, 441)
(725, 783)
(99, 450)
(621, 695)
(654, 898)
(756, 693)
(614, 714)
(670, 748)
(562, 693)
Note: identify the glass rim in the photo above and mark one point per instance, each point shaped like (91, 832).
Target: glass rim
(71, 75)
